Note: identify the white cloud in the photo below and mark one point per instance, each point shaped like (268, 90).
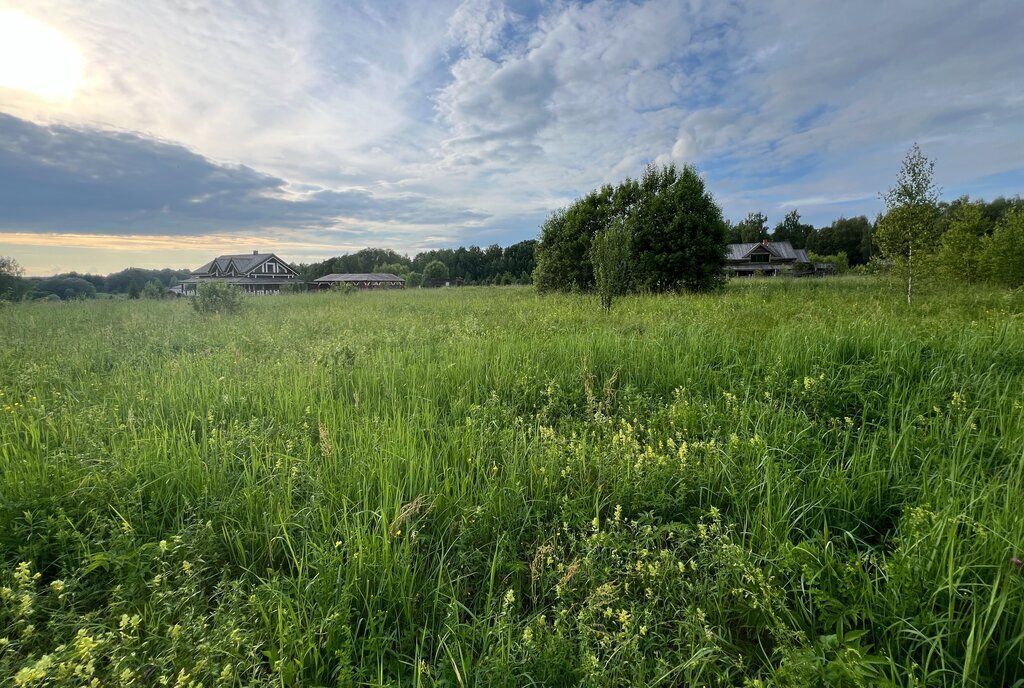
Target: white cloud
(509, 109)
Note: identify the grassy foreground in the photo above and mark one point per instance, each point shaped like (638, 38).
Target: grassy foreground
(793, 483)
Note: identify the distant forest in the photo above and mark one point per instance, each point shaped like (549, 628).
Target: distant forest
(472, 266)
(847, 242)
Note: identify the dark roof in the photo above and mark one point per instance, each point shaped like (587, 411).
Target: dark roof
(244, 262)
(238, 280)
(360, 277)
(779, 249)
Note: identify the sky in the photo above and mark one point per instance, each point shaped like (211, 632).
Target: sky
(160, 134)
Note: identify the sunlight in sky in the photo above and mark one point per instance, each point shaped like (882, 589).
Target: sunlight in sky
(36, 58)
(315, 127)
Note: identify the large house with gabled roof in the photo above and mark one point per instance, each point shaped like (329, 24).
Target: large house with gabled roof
(771, 258)
(255, 273)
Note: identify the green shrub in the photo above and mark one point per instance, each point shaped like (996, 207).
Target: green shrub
(611, 257)
(839, 260)
(154, 290)
(1002, 252)
(218, 297)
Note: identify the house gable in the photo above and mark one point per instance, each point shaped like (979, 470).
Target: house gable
(270, 265)
(760, 254)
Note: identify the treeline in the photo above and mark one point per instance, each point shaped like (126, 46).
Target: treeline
(472, 266)
(848, 241)
(131, 282)
(661, 232)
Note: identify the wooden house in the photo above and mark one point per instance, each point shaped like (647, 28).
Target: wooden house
(769, 258)
(256, 273)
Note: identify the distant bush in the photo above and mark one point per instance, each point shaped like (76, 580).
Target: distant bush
(154, 290)
(876, 265)
(435, 274)
(219, 298)
(343, 288)
(838, 260)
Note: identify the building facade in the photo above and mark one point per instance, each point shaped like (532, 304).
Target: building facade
(256, 273)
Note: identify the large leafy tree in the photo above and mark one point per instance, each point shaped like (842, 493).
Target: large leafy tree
(678, 232)
(678, 235)
(909, 230)
(791, 229)
(563, 254)
(754, 227)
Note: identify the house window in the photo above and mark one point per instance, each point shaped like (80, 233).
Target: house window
(759, 257)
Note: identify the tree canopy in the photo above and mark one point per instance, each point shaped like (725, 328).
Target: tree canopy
(434, 273)
(12, 285)
(677, 236)
(752, 228)
(791, 229)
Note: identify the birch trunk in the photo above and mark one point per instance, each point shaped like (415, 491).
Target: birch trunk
(910, 273)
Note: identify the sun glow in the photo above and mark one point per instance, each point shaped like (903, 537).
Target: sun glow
(36, 58)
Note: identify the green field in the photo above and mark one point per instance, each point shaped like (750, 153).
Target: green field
(791, 483)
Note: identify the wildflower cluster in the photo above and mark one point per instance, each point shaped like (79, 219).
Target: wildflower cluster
(178, 638)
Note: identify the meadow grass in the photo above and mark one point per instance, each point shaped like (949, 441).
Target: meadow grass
(791, 483)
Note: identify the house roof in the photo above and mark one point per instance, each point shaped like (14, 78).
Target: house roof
(196, 279)
(244, 262)
(779, 249)
(360, 277)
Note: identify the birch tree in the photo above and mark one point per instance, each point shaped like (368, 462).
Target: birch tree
(910, 230)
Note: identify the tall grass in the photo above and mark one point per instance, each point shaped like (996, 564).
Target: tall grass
(793, 483)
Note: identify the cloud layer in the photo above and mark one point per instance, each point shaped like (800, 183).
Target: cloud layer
(412, 124)
(86, 180)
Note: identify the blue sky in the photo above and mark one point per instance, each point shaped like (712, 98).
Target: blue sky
(168, 132)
